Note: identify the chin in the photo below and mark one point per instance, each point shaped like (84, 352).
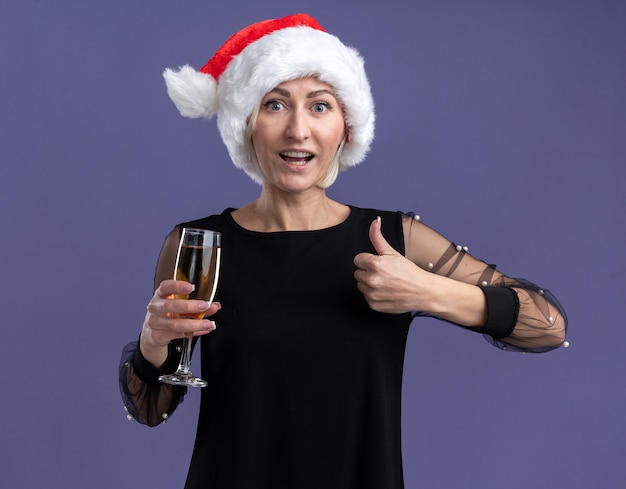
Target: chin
(296, 187)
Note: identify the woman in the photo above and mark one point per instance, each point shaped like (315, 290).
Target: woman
(315, 297)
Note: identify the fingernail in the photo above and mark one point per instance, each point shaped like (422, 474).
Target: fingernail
(203, 306)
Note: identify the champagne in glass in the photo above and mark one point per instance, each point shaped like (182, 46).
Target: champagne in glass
(197, 262)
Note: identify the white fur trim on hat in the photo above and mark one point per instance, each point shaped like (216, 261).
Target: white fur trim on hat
(193, 93)
(281, 55)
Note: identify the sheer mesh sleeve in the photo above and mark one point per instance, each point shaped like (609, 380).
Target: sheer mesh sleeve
(525, 317)
(145, 398)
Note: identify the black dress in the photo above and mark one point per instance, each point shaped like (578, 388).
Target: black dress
(304, 378)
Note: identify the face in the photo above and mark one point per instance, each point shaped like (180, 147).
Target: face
(297, 133)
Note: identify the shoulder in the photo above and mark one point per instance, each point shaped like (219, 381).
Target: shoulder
(371, 213)
(392, 223)
(390, 219)
(216, 222)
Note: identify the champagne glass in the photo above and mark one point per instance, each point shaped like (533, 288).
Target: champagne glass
(197, 262)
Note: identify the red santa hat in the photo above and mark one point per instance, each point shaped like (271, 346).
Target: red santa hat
(257, 59)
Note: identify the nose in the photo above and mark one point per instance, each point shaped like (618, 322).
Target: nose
(298, 125)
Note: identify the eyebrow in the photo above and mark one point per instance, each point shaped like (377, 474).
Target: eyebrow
(313, 94)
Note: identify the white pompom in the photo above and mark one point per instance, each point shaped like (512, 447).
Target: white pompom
(193, 92)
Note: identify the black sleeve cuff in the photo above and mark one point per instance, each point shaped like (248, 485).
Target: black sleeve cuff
(502, 311)
(148, 372)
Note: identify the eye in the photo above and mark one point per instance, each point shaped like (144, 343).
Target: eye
(321, 107)
(273, 105)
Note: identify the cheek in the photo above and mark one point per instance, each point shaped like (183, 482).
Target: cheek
(257, 140)
(262, 134)
(337, 135)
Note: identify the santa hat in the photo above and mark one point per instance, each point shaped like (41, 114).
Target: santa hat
(257, 59)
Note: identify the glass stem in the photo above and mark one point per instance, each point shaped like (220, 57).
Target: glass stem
(184, 367)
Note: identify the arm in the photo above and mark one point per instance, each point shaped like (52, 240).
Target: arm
(536, 320)
(158, 350)
(437, 278)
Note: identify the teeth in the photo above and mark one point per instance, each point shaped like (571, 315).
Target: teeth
(296, 154)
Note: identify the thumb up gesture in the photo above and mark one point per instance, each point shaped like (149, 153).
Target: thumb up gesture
(390, 282)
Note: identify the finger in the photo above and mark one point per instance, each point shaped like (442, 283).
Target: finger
(174, 287)
(185, 307)
(190, 307)
(362, 260)
(381, 245)
(213, 309)
(166, 330)
(367, 281)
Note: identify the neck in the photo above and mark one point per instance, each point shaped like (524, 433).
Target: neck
(274, 211)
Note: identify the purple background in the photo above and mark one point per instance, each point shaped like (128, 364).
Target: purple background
(502, 123)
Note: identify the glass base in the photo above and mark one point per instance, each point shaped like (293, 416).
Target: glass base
(188, 380)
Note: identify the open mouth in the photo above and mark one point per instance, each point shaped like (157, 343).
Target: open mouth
(296, 157)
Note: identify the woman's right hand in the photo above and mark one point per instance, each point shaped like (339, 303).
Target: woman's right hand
(163, 322)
